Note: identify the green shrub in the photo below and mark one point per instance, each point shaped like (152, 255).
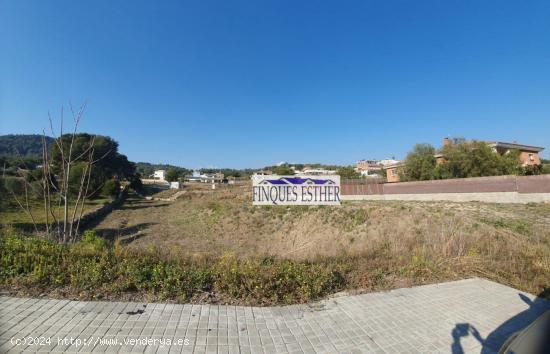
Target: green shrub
(93, 266)
(278, 281)
(111, 188)
(135, 183)
(14, 185)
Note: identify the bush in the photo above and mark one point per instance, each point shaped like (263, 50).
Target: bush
(420, 164)
(93, 267)
(97, 177)
(111, 188)
(135, 183)
(462, 159)
(172, 174)
(14, 185)
(348, 172)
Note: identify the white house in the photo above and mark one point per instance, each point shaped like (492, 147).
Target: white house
(388, 162)
(195, 177)
(369, 174)
(212, 178)
(159, 174)
(316, 172)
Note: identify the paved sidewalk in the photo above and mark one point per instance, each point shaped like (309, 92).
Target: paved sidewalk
(439, 318)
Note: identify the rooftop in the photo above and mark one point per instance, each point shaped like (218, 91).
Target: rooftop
(514, 145)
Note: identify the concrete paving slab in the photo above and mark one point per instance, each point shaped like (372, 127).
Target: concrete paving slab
(467, 316)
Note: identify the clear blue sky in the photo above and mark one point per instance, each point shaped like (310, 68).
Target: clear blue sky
(251, 83)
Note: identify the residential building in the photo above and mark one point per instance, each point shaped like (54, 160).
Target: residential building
(368, 168)
(386, 162)
(439, 158)
(393, 170)
(372, 168)
(315, 172)
(368, 165)
(212, 178)
(195, 177)
(263, 173)
(528, 154)
(370, 174)
(159, 174)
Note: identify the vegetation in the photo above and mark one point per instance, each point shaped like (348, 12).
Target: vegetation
(282, 170)
(301, 166)
(13, 216)
(73, 169)
(373, 245)
(109, 163)
(11, 164)
(93, 268)
(213, 246)
(229, 172)
(172, 175)
(476, 159)
(135, 183)
(420, 164)
(111, 188)
(26, 146)
(359, 246)
(289, 168)
(146, 169)
(462, 159)
(348, 172)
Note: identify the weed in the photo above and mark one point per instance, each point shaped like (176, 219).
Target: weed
(92, 266)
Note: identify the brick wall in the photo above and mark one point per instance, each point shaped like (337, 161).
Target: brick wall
(520, 184)
(362, 186)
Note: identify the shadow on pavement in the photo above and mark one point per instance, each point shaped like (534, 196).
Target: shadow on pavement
(496, 339)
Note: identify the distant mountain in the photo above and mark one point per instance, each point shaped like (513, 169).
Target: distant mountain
(27, 145)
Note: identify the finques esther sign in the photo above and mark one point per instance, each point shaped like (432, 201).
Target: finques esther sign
(296, 190)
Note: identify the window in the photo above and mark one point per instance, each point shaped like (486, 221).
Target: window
(531, 157)
(394, 172)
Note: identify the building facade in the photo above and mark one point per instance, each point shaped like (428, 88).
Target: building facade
(528, 154)
(160, 175)
(393, 170)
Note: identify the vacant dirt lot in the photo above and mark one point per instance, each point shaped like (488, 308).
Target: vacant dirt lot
(408, 241)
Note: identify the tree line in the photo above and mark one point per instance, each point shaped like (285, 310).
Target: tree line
(23, 145)
(462, 159)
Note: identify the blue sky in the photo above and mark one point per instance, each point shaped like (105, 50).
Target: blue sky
(251, 83)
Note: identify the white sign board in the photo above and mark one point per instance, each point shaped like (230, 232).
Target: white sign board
(296, 190)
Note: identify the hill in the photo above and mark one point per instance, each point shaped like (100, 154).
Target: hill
(146, 169)
(25, 145)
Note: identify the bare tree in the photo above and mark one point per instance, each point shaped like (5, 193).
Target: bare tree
(57, 197)
(68, 230)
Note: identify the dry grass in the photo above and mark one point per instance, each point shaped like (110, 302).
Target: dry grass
(386, 244)
(15, 216)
